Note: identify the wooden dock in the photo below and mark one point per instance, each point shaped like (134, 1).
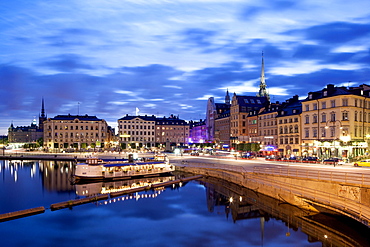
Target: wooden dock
(21, 214)
(76, 202)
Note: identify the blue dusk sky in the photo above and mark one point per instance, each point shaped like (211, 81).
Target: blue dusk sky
(106, 58)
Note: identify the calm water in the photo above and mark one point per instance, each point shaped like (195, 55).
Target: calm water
(199, 213)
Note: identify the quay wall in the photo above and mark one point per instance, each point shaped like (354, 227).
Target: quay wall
(315, 194)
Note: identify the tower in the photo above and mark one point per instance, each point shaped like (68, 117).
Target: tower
(227, 97)
(43, 116)
(262, 92)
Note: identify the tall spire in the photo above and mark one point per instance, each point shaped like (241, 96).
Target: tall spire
(42, 109)
(42, 116)
(262, 92)
(227, 97)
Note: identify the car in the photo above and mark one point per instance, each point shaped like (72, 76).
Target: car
(333, 161)
(310, 159)
(362, 163)
(194, 154)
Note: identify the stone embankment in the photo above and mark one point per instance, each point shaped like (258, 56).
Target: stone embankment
(333, 192)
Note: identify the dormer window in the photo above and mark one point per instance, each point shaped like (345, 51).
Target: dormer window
(310, 96)
(325, 93)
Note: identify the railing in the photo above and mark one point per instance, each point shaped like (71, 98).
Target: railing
(333, 176)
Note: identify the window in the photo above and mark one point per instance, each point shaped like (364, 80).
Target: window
(323, 104)
(307, 107)
(323, 118)
(315, 106)
(332, 116)
(332, 103)
(307, 133)
(332, 131)
(314, 119)
(323, 132)
(356, 116)
(307, 119)
(345, 116)
(314, 132)
(325, 93)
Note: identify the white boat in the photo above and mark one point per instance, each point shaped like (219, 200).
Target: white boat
(95, 168)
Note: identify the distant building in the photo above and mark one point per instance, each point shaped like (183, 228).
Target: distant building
(137, 131)
(171, 132)
(197, 131)
(213, 112)
(241, 106)
(151, 131)
(27, 134)
(24, 134)
(77, 132)
(222, 130)
(268, 128)
(289, 128)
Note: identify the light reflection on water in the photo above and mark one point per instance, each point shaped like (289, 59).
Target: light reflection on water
(209, 212)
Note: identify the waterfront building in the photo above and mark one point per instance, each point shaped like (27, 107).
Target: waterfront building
(76, 132)
(213, 112)
(268, 128)
(252, 123)
(137, 131)
(27, 134)
(197, 132)
(24, 134)
(240, 107)
(289, 128)
(222, 130)
(171, 132)
(336, 122)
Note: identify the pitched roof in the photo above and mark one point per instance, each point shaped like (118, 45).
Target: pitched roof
(79, 117)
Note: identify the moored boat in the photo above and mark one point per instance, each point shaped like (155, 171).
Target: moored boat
(95, 168)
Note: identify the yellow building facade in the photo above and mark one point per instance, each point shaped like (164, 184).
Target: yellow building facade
(335, 122)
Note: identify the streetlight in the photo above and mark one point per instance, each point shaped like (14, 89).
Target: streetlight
(334, 134)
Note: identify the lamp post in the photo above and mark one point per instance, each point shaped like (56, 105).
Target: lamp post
(334, 133)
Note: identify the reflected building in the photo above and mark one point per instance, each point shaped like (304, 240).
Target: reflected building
(56, 175)
(240, 203)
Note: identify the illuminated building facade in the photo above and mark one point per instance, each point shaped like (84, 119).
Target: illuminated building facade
(137, 131)
(76, 132)
(289, 128)
(336, 122)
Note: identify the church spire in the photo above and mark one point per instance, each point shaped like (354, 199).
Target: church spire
(43, 116)
(263, 92)
(227, 97)
(42, 109)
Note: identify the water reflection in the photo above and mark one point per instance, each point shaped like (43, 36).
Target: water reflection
(21, 185)
(56, 175)
(106, 187)
(242, 203)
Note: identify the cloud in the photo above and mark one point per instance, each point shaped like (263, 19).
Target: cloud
(67, 63)
(334, 33)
